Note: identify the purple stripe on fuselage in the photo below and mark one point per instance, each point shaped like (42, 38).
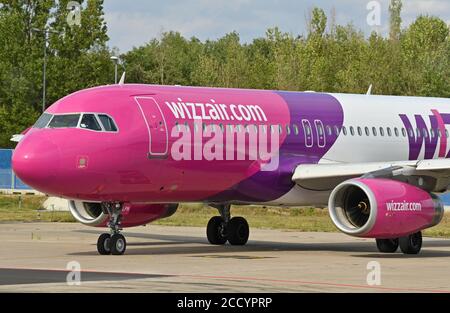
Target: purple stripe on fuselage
(315, 108)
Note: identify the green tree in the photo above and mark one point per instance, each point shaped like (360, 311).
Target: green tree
(21, 50)
(15, 119)
(78, 55)
(395, 22)
(426, 58)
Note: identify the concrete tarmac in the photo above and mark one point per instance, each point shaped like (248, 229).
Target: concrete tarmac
(34, 257)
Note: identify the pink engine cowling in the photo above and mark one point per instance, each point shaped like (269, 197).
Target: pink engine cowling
(91, 214)
(383, 208)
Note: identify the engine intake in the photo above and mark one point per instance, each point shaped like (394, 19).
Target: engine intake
(383, 208)
(91, 214)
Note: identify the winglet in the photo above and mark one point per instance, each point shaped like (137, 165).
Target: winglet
(122, 79)
(369, 92)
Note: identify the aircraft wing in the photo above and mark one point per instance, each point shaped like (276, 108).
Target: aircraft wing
(326, 176)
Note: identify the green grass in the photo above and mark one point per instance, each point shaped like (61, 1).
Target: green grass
(26, 209)
(311, 220)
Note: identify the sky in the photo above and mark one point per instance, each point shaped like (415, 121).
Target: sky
(133, 23)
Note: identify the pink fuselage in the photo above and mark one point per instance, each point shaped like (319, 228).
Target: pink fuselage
(136, 163)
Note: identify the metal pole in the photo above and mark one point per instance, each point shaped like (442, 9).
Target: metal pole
(44, 89)
(116, 74)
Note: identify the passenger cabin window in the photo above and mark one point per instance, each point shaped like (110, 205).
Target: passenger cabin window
(320, 129)
(89, 121)
(43, 121)
(65, 121)
(337, 130)
(307, 129)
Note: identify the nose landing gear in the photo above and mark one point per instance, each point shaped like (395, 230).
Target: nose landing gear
(223, 228)
(113, 243)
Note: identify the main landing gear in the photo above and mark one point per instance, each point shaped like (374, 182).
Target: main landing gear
(223, 228)
(411, 244)
(113, 243)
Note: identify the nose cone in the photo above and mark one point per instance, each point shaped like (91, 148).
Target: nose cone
(36, 162)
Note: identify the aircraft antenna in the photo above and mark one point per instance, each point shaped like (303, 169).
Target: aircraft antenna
(122, 79)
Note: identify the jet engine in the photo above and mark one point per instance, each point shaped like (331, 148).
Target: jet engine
(383, 208)
(91, 214)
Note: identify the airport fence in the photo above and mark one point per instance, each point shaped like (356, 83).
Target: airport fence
(9, 182)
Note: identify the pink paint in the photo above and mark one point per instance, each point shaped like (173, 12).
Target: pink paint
(116, 166)
(398, 223)
(136, 215)
(441, 125)
(142, 214)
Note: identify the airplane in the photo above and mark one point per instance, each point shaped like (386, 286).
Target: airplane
(126, 155)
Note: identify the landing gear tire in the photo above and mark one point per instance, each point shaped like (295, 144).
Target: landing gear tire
(104, 244)
(411, 244)
(216, 232)
(238, 231)
(118, 244)
(387, 245)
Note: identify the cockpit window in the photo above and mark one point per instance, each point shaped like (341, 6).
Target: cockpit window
(108, 123)
(43, 121)
(89, 121)
(65, 121)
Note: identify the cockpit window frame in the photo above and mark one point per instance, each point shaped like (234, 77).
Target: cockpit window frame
(96, 115)
(64, 114)
(103, 126)
(96, 119)
(40, 118)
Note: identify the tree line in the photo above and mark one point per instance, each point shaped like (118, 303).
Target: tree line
(329, 57)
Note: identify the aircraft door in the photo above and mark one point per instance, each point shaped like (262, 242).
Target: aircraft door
(156, 125)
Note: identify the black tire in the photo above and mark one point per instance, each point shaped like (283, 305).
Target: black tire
(238, 231)
(118, 244)
(411, 244)
(104, 244)
(215, 231)
(387, 245)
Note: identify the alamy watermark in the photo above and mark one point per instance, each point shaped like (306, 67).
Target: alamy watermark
(215, 131)
(74, 15)
(230, 142)
(374, 276)
(73, 277)
(374, 16)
